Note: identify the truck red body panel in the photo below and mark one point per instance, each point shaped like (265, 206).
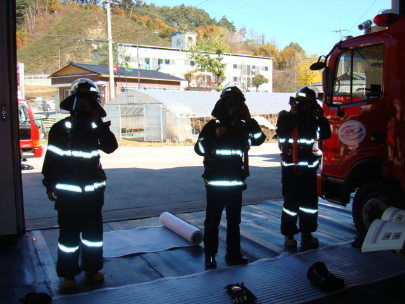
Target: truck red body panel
(29, 132)
(364, 101)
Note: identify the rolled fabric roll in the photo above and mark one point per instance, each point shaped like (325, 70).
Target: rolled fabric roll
(185, 230)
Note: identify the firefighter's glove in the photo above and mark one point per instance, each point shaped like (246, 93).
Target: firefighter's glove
(319, 275)
(102, 127)
(36, 298)
(240, 294)
(221, 131)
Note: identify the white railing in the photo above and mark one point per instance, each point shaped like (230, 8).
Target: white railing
(36, 76)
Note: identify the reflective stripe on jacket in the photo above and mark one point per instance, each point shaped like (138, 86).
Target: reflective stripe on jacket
(224, 157)
(72, 159)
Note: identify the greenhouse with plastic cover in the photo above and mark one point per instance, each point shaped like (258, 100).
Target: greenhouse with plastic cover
(177, 116)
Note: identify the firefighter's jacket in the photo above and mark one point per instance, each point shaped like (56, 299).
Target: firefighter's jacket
(296, 137)
(225, 158)
(72, 160)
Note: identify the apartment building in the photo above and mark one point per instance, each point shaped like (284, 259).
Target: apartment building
(240, 69)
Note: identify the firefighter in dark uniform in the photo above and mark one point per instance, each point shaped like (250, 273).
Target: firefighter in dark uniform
(75, 180)
(224, 142)
(297, 131)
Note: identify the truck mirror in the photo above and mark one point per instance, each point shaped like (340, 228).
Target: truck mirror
(319, 65)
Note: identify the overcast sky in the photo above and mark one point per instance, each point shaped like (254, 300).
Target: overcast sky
(314, 24)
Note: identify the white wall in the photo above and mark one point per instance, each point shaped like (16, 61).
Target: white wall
(175, 62)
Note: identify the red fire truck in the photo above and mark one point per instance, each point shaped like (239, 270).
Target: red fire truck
(364, 100)
(29, 132)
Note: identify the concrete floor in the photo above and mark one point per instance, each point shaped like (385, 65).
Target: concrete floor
(146, 181)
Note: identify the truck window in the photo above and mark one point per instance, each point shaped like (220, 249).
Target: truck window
(23, 115)
(359, 75)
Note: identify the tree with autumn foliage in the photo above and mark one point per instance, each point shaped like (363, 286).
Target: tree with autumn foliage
(285, 64)
(269, 50)
(306, 76)
(288, 58)
(195, 78)
(295, 46)
(190, 75)
(209, 32)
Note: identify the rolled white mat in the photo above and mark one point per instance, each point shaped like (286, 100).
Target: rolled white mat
(181, 228)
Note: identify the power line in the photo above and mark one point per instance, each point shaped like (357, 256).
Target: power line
(340, 30)
(362, 16)
(281, 18)
(276, 20)
(203, 3)
(146, 12)
(79, 39)
(65, 37)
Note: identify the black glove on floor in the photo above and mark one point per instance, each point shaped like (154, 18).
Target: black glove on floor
(240, 294)
(319, 275)
(36, 298)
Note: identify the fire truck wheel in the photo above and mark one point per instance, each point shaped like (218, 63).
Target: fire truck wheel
(370, 202)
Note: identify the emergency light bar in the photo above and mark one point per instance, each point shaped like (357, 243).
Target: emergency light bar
(386, 19)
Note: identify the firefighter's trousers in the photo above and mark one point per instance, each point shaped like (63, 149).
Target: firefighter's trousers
(80, 232)
(300, 202)
(218, 198)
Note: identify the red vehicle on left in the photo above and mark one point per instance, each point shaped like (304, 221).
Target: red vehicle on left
(30, 134)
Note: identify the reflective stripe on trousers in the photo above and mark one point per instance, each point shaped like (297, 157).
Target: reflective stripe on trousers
(75, 188)
(225, 183)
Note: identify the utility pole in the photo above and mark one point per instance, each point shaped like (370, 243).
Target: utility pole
(137, 55)
(137, 61)
(110, 52)
(340, 30)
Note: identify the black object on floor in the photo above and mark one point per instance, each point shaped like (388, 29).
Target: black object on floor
(240, 293)
(319, 275)
(36, 298)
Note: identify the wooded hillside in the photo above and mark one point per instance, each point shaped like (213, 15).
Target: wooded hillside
(50, 33)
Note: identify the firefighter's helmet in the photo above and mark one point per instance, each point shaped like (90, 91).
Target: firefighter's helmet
(231, 91)
(230, 96)
(305, 94)
(86, 88)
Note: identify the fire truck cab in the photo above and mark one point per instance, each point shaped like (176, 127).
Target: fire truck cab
(364, 101)
(30, 134)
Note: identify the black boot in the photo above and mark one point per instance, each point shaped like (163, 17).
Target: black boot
(358, 241)
(210, 262)
(236, 259)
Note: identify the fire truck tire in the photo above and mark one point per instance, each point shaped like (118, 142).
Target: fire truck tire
(370, 202)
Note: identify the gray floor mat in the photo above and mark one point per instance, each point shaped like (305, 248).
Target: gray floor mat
(277, 280)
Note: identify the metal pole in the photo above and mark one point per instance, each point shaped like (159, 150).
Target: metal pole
(137, 60)
(110, 53)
